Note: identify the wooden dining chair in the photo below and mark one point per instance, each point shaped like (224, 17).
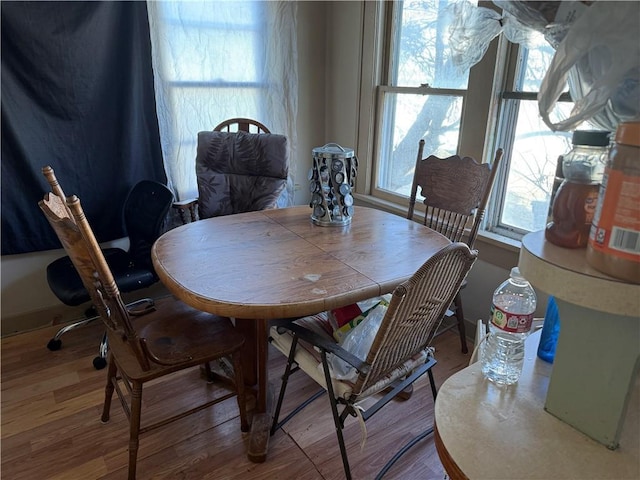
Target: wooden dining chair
(399, 355)
(144, 213)
(240, 172)
(189, 210)
(455, 191)
(147, 345)
(241, 125)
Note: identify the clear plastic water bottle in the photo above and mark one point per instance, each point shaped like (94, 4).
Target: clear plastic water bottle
(502, 353)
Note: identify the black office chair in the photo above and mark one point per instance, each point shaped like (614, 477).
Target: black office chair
(145, 213)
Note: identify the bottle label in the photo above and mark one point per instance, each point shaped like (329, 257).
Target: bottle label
(616, 226)
(510, 322)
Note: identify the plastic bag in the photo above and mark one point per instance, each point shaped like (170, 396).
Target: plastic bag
(471, 31)
(551, 18)
(473, 28)
(597, 53)
(358, 341)
(602, 49)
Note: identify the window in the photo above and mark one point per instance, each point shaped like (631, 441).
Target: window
(422, 98)
(201, 90)
(219, 60)
(523, 191)
(422, 95)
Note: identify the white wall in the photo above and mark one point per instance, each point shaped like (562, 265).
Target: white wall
(312, 33)
(26, 300)
(24, 286)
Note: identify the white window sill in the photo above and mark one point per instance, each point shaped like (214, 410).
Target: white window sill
(499, 240)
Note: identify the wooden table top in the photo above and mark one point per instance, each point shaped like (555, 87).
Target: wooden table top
(278, 264)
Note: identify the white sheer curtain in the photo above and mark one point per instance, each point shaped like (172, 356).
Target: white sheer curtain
(217, 60)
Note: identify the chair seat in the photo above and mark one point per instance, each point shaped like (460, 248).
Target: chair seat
(309, 359)
(179, 336)
(65, 282)
(307, 356)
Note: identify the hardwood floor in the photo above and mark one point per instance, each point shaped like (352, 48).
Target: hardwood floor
(51, 429)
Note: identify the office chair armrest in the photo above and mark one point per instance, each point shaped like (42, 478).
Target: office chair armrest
(141, 307)
(326, 345)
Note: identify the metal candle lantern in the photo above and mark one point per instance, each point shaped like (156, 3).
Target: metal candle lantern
(331, 180)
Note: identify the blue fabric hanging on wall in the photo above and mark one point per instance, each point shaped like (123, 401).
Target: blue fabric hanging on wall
(77, 94)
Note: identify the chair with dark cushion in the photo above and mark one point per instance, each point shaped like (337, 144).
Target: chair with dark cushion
(145, 212)
(144, 346)
(245, 172)
(399, 354)
(455, 190)
(240, 172)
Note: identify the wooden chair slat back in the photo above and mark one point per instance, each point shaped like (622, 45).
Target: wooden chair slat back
(415, 310)
(455, 190)
(64, 225)
(241, 125)
(78, 240)
(56, 188)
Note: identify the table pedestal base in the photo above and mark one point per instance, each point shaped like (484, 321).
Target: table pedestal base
(261, 431)
(594, 371)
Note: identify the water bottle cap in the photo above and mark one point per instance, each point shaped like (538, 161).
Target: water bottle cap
(515, 273)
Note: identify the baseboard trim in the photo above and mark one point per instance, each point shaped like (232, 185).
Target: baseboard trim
(45, 317)
(63, 314)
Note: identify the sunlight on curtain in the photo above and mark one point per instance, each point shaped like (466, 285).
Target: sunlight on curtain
(217, 60)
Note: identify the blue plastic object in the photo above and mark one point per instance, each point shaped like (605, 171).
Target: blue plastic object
(550, 332)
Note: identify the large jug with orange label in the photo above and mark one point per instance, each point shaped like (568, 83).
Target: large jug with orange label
(614, 239)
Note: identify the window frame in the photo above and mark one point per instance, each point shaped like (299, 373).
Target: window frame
(479, 101)
(482, 105)
(383, 90)
(506, 122)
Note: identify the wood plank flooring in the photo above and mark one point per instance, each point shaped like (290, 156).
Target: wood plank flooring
(50, 422)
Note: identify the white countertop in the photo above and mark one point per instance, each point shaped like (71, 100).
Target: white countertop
(493, 432)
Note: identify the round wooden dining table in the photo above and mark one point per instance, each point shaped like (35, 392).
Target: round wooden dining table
(275, 264)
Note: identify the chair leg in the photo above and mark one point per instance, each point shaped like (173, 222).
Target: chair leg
(432, 383)
(108, 390)
(134, 427)
(283, 387)
(56, 344)
(240, 392)
(461, 326)
(336, 417)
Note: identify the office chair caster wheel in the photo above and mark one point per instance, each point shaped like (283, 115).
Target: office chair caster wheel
(99, 363)
(54, 344)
